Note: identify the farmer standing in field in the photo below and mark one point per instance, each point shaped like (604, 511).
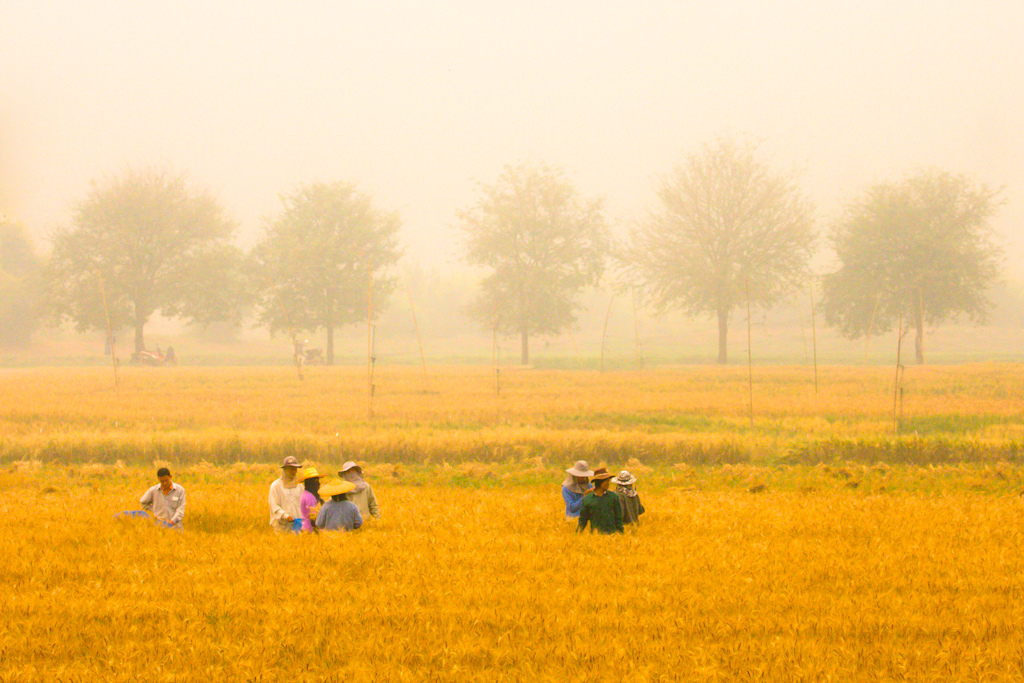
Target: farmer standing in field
(575, 486)
(338, 514)
(601, 507)
(310, 500)
(285, 496)
(165, 501)
(361, 493)
(625, 488)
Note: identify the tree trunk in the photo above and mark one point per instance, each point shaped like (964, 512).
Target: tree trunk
(723, 334)
(140, 342)
(919, 338)
(526, 347)
(330, 345)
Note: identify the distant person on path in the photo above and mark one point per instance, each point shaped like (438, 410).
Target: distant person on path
(285, 496)
(362, 493)
(601, 508)
(338, 514)
(165, 501)
(632, 508)
(575, 486)
(310, 500)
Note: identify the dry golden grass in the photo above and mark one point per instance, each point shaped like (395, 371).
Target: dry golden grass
(456, 584)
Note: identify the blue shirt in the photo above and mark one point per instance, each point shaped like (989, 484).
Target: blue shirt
(339, 516)
(573, 502)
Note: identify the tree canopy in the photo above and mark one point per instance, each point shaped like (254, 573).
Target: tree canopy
(727, 223)
(140, 243)
(317, 259)
(920, 248)
(20, 268)
(542, 244)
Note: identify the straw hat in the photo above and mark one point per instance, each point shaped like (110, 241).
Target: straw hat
(290, 461)
(334, 488)
(309, 473)
(349, 466)
(601, 473)
(580, 469)
(624, 478)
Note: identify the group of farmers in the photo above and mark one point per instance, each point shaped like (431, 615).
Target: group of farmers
(589, 499)
(299, 502)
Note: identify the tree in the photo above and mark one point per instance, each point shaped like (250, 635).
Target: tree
(19, 280)
(141, 243)
(318, 258)
(728, 223)
(920, 248)
(543, 244)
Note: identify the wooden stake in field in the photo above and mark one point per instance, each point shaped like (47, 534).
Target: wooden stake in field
(604, 333)
(419, 339)
(814, 337)
(110, 334)
(750, 361)
(636, 334)
(896, 383)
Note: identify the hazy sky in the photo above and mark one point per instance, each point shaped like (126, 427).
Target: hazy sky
(417, 101)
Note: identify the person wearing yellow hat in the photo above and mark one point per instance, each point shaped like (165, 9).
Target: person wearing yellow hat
(338, 514)
(310, 501)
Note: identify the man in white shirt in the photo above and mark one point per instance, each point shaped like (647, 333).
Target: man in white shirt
(285, 496)
(166, 500)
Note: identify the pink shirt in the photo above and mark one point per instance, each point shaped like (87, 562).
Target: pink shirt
(306, 503)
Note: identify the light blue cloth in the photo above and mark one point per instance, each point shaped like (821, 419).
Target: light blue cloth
(573, 502)
(339, 516)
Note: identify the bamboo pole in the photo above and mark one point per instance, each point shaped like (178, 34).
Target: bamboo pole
(110, 333)
(814, 337)
(750, 361)
(604, 333)
(896, 383)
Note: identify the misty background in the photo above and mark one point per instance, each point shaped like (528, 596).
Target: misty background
(417, 104)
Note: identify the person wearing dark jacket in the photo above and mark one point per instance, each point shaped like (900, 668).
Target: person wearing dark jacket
(601, 508)
(625, 488)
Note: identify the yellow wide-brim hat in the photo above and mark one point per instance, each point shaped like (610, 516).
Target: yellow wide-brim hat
(308, 473)
(334, 488)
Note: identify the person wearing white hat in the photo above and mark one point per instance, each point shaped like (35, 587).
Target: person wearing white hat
(285, 497)
(575, 486)
(632, 508)
(361, 493)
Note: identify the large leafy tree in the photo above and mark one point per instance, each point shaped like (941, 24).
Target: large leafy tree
(542, 243)
(20, 268)
(140, 243)
(318, 258)
(728, 224)
(921, 248)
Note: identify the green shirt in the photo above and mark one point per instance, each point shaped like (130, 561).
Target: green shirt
(603, 512)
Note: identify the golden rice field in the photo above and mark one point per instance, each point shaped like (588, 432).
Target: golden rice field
(695, 415)
(797, 541)
(456, 583)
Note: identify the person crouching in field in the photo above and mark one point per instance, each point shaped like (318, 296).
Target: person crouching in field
(338, 514)
(632, 508)
(575, 486)
(165, 501)
(601, 508)
(362, 494)
(310, 500)
(285, 496)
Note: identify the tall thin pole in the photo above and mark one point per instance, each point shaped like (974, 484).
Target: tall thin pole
(636, 333)
(814, 337)
(604, 333)
(369, 339)
(896, 383)
(750, 360)
(110, 333)
(415, 323)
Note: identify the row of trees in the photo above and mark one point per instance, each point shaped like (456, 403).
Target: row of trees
(729, 230)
